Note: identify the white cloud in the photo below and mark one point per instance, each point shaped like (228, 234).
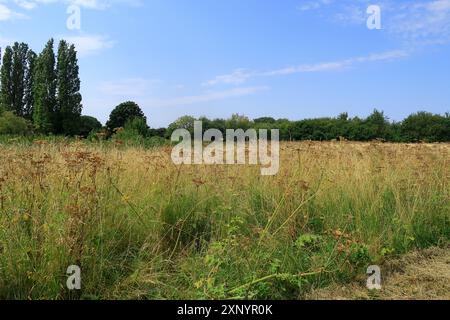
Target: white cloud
(312, 5)
(7, 14)
(141, 90)
(89, 44)
(239, 77)
(421, 22)
(27, 5)
(133, 87)
(414, 22)
(206, 97)
(88, 4)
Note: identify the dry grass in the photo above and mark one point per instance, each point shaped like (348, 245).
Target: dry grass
(420, 275)
(141, 227)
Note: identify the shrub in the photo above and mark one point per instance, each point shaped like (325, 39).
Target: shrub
(12, 124)
(139, 125)
(87, 125)
(123, 113)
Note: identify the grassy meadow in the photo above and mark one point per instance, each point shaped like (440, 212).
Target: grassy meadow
(142, 228)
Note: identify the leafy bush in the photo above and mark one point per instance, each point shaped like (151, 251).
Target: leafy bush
(426, 126)
(87, 125)
(122, 113)
(139, 125)
(129, 136)
(12, 124)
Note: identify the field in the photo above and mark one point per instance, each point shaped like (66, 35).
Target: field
(142, 228)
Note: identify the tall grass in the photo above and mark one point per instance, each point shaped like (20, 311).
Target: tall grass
(142, 228)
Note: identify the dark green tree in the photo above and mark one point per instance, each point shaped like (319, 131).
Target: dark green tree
(123, 113)
(68, 98)
(19, 67)
(88, 124)
(376, 126)
(425, 126)
(29, 77)
(44, 87)
(6, 90)
(264, 120)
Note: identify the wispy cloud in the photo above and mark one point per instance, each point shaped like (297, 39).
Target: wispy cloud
(206, 97)
(133, 87)
(239, 76)
(11, 9)
(421, 22)
(88, 4)
(414, 22)
(144, 90)
(87, 45)
(312, 5)
(8, 14)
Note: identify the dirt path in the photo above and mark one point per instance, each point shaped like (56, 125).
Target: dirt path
(421, 275)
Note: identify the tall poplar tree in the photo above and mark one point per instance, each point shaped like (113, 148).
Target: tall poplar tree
(29, 79)
(19, 66)
(6, 90)
(68, 90)
(44, 87)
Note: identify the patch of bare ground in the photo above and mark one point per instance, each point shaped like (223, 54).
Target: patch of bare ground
(420, 275)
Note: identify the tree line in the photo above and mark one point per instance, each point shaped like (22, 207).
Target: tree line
(418, 127)
(43, 89)
(41, 94)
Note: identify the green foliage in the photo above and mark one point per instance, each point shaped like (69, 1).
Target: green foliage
(424, 126)
(238, 122)
(122, 113)
(359, 255)
(13, 125)
(419, 127)
(161, 132)
(139, 125)
(68, 108)
(44, 88)
(17, 80)
(6, 91)
(265, 120)
(186, 221)
(32, 88)
(185, 122)
(87, 125)
(307, 240)
(20, 52)
(376, 126)
(29, 79)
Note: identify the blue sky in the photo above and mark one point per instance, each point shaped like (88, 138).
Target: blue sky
(280, 58)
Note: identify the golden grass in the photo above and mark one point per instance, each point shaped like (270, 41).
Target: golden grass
(141, 227)
(419, 275)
